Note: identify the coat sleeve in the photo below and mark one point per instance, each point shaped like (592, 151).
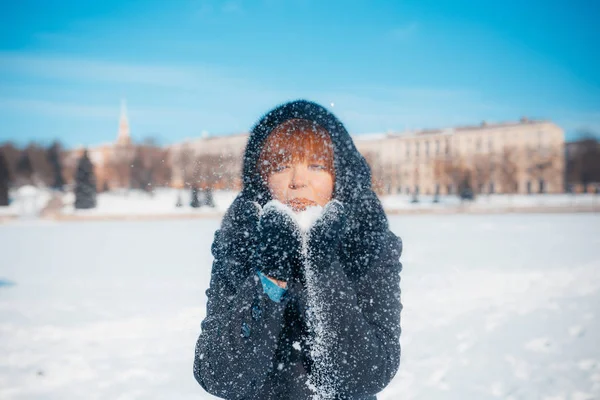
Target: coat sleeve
(239, 336)
(365, 320)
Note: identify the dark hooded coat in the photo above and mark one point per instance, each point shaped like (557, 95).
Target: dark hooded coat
(251, 347)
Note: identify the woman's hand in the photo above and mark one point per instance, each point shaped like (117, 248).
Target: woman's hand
(279, 243)
(281, 284)
(325, 235)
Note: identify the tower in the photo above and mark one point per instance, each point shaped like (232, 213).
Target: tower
(123, 138)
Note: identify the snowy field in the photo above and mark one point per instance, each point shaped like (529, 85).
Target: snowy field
(496, 307)
(136, 202)
(123, 204)
(163, 203)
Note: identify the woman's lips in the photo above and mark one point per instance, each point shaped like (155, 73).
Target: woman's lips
(300, 204)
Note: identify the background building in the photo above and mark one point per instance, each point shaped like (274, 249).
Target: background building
(511, 157)
(214, 162)
(124, 164)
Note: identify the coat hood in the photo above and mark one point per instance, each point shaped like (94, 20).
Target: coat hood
(352, 173)
(367, 223)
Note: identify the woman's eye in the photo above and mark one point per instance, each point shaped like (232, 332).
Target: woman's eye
(280, 168)
(317, 167)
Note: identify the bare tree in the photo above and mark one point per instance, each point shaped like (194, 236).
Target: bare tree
(206, 171)
(161, 168)
(24, 169)
(583, 161)
(138, 173)
(5, 180)
(228, 172)
(450, 171)
(11, 153)
(54, 155)
(545, 167)
(377, 179)
(481, 165)
(182, 161)
(508, 170)
(119, 166)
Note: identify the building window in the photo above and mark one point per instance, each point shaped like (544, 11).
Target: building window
(492, 188)
(528, 187)
(407, 150)
(490, 145)
(427, 148)
(478, 144)
(447, 150)
(437, 147)
(417, 149)
(449, 189)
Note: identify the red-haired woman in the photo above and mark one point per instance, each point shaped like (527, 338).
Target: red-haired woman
(304, 299)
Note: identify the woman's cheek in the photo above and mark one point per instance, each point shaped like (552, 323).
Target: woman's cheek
(278, 185)
(323, 186)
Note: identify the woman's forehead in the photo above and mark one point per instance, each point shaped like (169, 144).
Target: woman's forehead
(300, 154)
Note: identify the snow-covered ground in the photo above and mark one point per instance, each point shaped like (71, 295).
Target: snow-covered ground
(164, 200)
(26, 201)
(163, 203)
(493, 202)
(136, 202)
(496, 307)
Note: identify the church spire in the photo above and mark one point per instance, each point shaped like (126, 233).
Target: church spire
(123, 138)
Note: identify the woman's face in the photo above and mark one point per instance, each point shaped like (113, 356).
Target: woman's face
(301, 181)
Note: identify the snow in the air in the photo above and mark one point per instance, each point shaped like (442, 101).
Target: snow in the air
(495, 307)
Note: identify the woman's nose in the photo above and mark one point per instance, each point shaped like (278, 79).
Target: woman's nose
(299, 178)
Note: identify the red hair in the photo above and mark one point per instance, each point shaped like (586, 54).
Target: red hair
(296, 140)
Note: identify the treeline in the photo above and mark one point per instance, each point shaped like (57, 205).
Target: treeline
(583, 163)
(33, 164)
(137, 166)
(141, 166)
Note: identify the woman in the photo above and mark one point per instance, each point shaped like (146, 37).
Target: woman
(304, 299)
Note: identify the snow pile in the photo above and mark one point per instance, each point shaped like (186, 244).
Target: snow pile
(26, 201)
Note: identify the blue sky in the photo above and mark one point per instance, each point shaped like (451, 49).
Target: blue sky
(191, 66)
